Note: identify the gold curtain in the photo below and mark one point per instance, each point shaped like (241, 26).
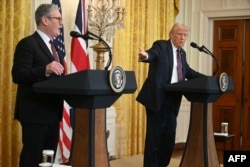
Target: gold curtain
(14, 24)
(146, 21)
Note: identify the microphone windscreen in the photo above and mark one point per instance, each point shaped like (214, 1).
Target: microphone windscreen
(194, 45)
(74, 34)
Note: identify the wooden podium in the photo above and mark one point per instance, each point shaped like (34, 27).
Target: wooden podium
(89, 92)
(200, 150)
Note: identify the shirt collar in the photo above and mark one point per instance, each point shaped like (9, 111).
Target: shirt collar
(45, 37)
(173, 46)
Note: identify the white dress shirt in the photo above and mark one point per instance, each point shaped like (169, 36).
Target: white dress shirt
(174, 78)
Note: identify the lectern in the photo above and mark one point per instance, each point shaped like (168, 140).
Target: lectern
(89, 92)
(200, 148)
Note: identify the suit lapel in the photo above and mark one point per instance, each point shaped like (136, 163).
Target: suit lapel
(170, 57)
(43, 46)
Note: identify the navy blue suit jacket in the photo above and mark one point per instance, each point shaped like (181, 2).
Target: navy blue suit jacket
(160, 58)
(30, 60)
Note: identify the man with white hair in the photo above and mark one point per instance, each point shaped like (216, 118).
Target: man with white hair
(167, 64)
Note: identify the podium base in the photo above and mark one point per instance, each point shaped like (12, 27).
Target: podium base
(89, 147)
(200, 150)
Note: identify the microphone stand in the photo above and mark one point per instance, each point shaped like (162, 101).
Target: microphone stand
(109, 49)
(205, 50)
(215, 58)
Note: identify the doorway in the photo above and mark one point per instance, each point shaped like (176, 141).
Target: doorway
(232, 48)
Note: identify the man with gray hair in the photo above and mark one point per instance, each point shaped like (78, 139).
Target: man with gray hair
(36, 59)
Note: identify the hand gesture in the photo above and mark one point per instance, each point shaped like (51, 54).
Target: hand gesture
(142, 54)
(54, 67)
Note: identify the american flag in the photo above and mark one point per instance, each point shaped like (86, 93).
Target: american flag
(79, 54)
(65, 125)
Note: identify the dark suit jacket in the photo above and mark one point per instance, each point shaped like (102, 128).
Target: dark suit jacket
(160, 58)
(30, 60)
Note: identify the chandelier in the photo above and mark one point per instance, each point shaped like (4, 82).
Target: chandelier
(105, 16)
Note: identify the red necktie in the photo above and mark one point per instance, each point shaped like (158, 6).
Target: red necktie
(179, 66)
(54, 53)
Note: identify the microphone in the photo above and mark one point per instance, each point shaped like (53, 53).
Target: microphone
(194, 45)
(201, 49)
(205, 50)
(86, 36)
(76, 34)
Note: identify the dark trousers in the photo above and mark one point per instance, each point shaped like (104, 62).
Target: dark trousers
(160, 136)
(35, 138)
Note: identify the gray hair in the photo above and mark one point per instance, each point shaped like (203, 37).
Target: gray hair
(44, 10)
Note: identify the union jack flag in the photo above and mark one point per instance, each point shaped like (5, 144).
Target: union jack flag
(79, 54)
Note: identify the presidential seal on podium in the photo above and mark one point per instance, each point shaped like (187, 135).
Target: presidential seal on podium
(223, 81)
(117, 79)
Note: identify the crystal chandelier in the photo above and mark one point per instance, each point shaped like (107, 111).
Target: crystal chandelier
(105, 16)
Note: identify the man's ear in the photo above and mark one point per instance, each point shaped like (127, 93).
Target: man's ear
(44, 20)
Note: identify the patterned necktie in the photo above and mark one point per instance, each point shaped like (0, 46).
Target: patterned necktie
(54, 53)
(179, 66)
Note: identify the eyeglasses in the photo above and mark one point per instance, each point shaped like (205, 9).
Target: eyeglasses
(57, 18)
